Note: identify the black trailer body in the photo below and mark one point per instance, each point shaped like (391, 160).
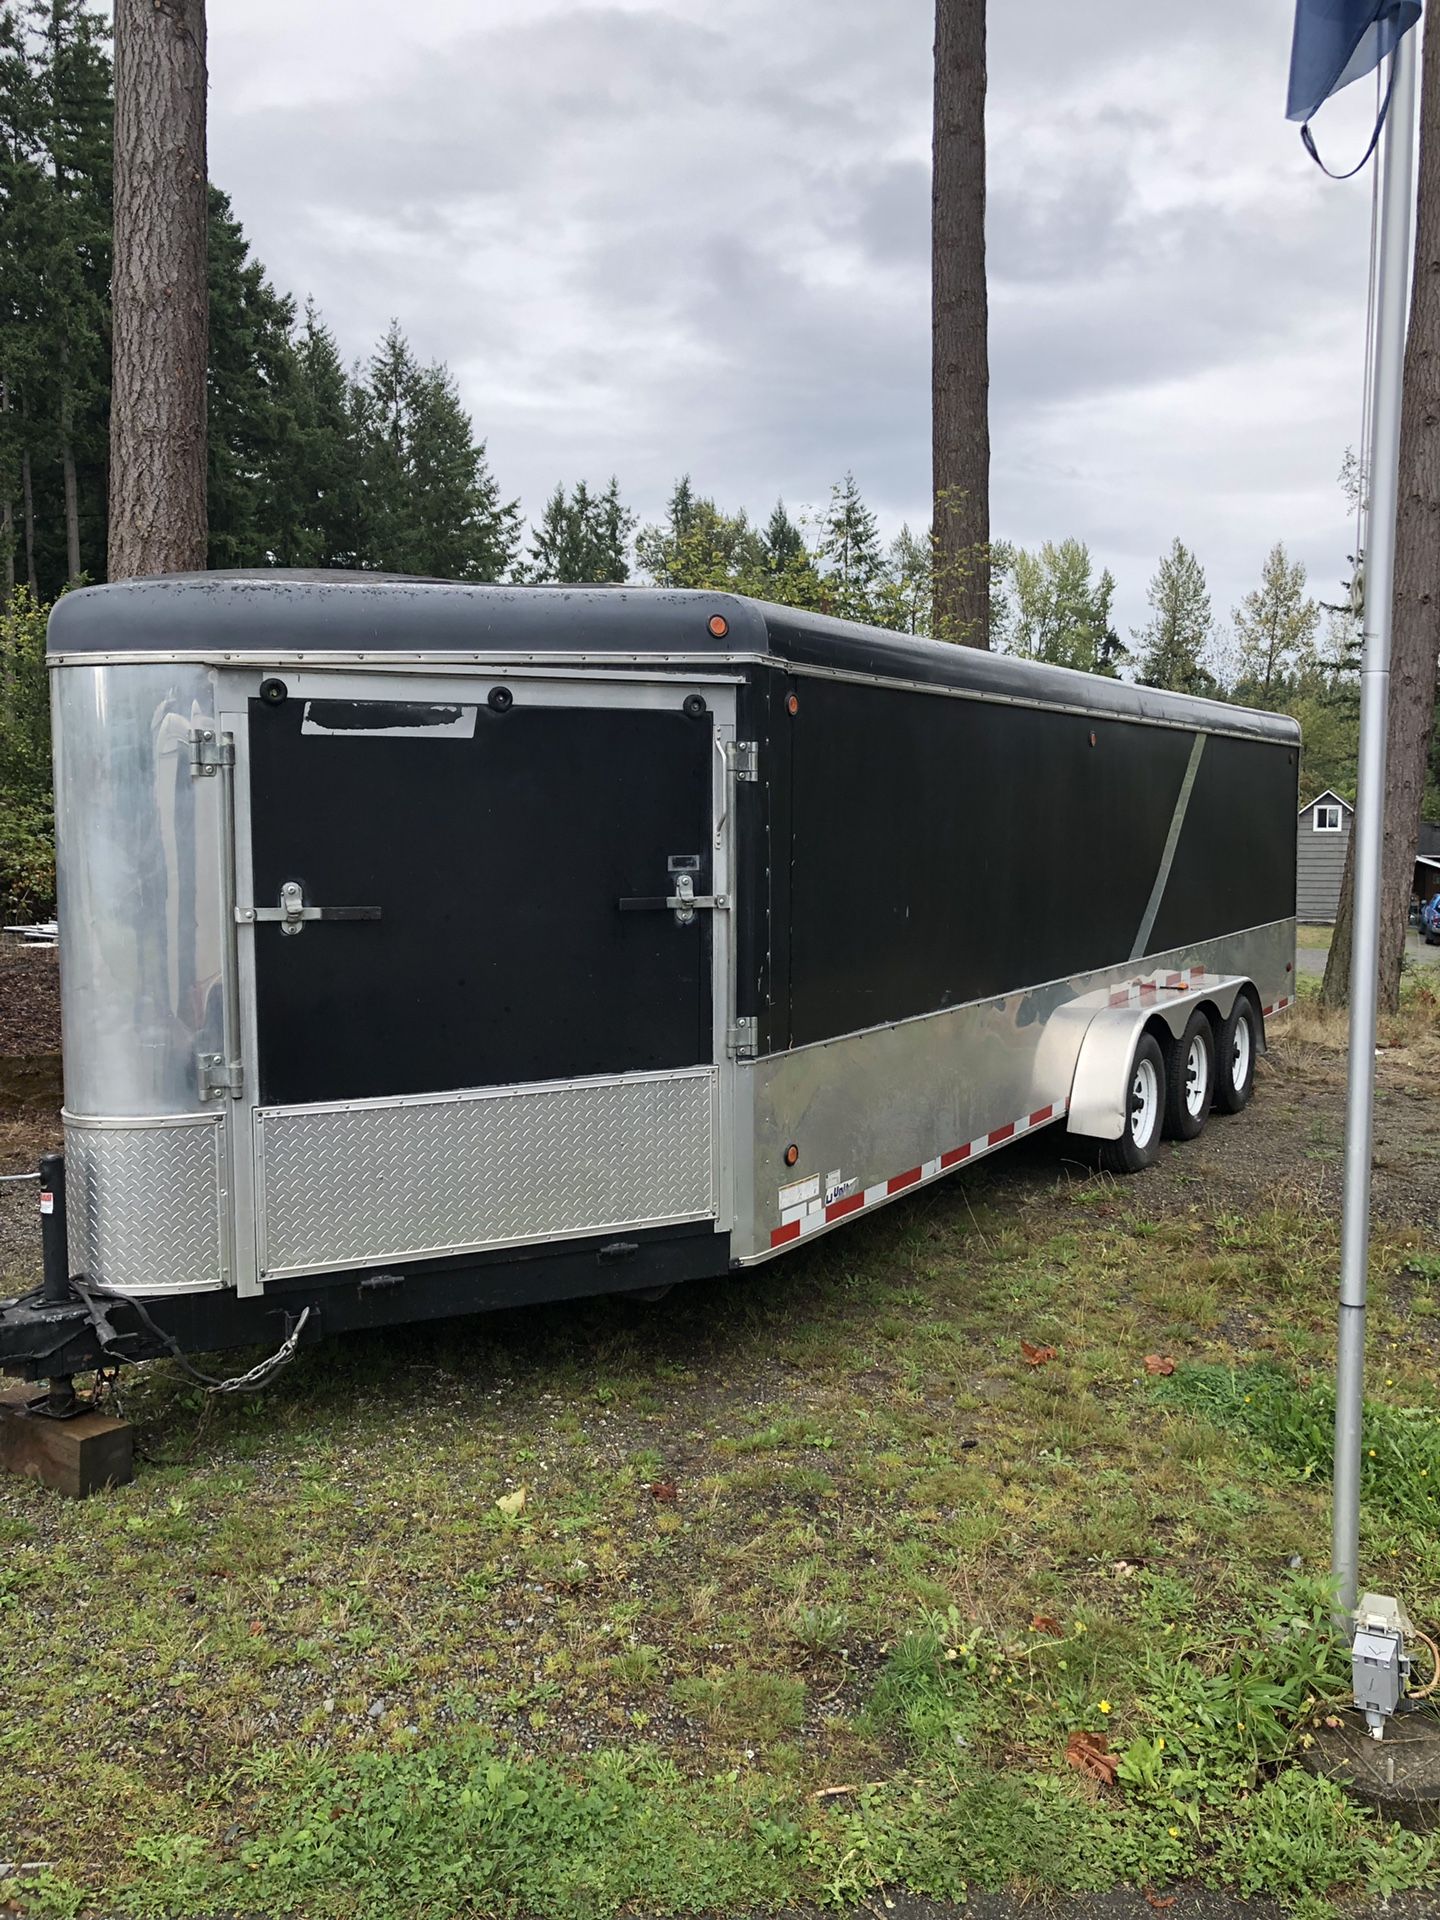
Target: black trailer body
(428, 947)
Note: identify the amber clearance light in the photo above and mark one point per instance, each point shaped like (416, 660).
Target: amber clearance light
(718, 625)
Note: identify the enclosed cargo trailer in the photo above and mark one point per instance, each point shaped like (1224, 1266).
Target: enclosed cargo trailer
(429, 947)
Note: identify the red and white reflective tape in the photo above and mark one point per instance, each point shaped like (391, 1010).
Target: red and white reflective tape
(825, 1216)
(1279, 1006)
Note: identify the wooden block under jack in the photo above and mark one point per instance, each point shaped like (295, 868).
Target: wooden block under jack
(78, 1456)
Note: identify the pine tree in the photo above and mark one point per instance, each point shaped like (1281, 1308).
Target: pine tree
(254, 508)
(76, 263)
(784, 542)
(432, 504)
(850, 549)
(327, 468)
(1179, 629)
(583, 536)
(24, 193)
(55, 167)
(1275, 628)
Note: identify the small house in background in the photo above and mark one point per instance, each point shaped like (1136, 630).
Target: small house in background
(1322, 837)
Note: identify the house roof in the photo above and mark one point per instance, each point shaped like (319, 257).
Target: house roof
(1329, 794)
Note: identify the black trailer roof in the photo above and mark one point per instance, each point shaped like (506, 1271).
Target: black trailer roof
(271, 614)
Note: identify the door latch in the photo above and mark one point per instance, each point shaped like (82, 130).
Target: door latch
(292, 912)
(683, 902)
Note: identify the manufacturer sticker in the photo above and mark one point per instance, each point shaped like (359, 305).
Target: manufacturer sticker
(837, 1187)
(47, 1202)
(800, 1193)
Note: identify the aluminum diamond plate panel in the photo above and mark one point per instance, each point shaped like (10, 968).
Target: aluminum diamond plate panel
(376, 1180)
(146, 1203)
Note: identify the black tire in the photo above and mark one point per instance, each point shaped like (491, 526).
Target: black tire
(1139, 1144)
(1235, 1056)
(1190, 1079)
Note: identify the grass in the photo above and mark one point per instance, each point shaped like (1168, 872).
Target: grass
(305, 1665)
(1317, 937)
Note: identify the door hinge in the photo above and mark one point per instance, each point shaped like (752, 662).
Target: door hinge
(220, 1077)
(742, 757)
(209, 751)
(743, 1038)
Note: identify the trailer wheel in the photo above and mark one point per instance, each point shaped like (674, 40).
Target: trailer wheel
(1145, 1111)
(1239, 1042)
(1190, 1082)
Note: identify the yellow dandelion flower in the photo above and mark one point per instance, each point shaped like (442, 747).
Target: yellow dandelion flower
(1104, 1706)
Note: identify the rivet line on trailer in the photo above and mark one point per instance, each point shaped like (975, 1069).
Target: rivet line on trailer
(827, 1215)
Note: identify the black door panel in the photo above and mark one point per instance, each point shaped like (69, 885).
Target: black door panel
(497, 861)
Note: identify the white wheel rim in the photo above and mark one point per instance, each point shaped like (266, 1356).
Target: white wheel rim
(1240, 1054)
(1197, 1078)
(1144, 1102)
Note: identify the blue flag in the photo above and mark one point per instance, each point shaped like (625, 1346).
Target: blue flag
(1337, 41)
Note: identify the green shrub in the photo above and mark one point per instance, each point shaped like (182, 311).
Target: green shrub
(27, 813)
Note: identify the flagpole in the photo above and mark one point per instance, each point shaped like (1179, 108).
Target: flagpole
(1383, 462)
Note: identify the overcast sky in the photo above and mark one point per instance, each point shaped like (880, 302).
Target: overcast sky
(662, 235)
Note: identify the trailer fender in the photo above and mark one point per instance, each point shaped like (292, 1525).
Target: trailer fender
(1098, 1091)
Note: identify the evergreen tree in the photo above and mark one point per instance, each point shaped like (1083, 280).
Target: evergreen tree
(583, 536)
(55, 171)
(252, 398)
(77, 129)
(1179, 629)
(1275, 628)
(699, 546)
(432, 504)
(327, 494)
(784, 542)
(850, 549)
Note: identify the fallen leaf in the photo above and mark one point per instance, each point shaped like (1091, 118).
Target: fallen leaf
(1090, 1754)
(1035, 1356)
(1159, 1363)
(1047, 1623)
(512, 1505)
(663, 1490)
(1160, 1901)
(257, 1626)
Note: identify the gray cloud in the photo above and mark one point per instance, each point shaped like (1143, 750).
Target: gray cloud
(664, 236)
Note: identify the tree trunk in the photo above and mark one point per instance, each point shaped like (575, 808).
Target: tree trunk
(160, 306)
(1335, 987)
(1415, 617)
(960, 355)
(27, 492)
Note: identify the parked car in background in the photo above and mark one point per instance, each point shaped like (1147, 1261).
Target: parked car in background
(1430, 921)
